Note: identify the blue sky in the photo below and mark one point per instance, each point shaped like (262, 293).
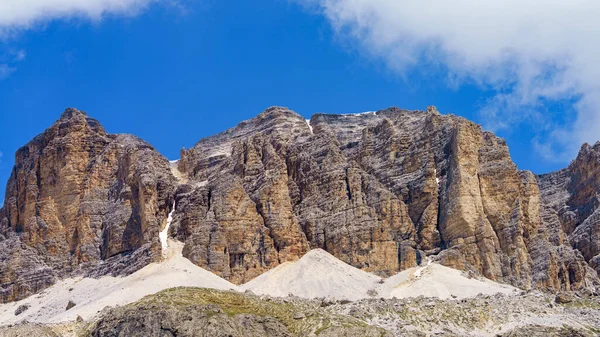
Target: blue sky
(172, 73)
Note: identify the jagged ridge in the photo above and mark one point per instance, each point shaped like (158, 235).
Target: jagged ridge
(380, 191)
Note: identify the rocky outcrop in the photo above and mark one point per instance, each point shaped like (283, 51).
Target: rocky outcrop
(205, 312)
(378, 190)
(194, 320)
(571, 199)
(81, 201)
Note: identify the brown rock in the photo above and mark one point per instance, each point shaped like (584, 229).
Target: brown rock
(77, 197)
(371, 189)
(379, 191)
(563, 298)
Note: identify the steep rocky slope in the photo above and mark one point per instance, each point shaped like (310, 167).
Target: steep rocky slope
(381, 191)
(570, 207)
(81, 201)
(378, 190)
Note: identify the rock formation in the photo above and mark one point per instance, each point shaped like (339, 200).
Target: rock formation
(81, 201)
(572, 216)
(381, 191)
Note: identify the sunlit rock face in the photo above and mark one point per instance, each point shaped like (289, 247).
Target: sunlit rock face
(81, 201)
(570, 205)
(378, 190)
(381, 191)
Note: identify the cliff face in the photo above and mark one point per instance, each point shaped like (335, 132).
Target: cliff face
(571, 199)
(81, 201)
(382, 191)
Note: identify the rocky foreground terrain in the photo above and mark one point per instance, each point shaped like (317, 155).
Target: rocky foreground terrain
(204, 312)
(382, 191)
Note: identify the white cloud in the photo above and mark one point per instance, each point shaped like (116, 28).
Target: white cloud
(531, 53)
(1, 154)
(16, 15)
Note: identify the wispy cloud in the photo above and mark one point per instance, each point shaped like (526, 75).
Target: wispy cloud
(9, 60)
(532, 54)
(1, 154)
(5, 71)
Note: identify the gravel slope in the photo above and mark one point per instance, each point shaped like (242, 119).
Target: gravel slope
(316, 274)
(92, 295)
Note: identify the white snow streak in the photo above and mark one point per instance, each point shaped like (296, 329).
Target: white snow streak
(164, 234)
(309, 126)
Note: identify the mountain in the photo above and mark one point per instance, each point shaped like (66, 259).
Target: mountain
(382, 191)
(81, 201)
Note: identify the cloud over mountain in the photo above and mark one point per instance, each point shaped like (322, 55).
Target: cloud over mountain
(535, 56)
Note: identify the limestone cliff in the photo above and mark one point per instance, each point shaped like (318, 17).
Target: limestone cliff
(572, 216)
(81, 201)
(380, 191)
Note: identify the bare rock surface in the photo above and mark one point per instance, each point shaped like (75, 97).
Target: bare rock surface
(381, 191)
(81, 201)
(570, 202)
(205, 312)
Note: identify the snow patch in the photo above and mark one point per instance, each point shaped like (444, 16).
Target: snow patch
(373, 113)
(164, 234)
(201, 183)
(309, 126)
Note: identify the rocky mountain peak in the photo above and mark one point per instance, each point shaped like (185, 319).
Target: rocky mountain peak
(382, 191)
(277, 112)
(72, 113)
(73, 118)
(432, 109)
(81, 201)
